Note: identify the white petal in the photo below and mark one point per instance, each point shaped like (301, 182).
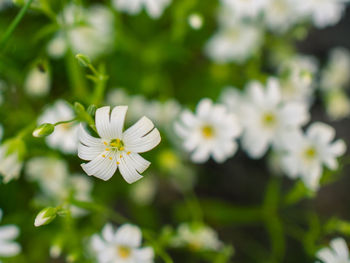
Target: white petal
(320, 132)
(255, 144)
(204, 107)
(86, 138)
(117, 120)
(180, 130)
(102, 120)
(294, 114)
(255, 92)
(8, 232)
(97, 244)
(108, 233)
(326, 256)
(139, 129)
(144, 255)
(9, 249)
(273, 94)
(144, 144)
(311, 176)
(340, 247)
(128, 235)
(138, 162)
(188, 118)
(89, 153)
(128, 171)
(101, 167)
(290, 166)
(201, 154)
(338, 148)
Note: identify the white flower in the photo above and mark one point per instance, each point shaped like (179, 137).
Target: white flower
(37, 82)
(90, 31)
(144, 192)
(306, 154)
(280, 15)
(233, 99)
(335, 75)
(116, 148)
(154, 8)
(8, 248)
(338, 253)
(197, 237)
(64, 138)
(51, 174)
(298, 82)
(337, 104)
(322, 12)
(234, 43)
(122, 245)
(211, 131)
(266, 118)
(11, 160)
(245, 8)
(195, 21)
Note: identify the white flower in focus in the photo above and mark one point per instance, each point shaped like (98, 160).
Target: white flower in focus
(234, 43)
(11, 156)
(122, 245)
(298, 82)
(8, 248)
(336, 73)
(90, 31)
(307, 153)
(154, 8)
(211, 131)
(338, 253)
(51, 174)
(197, 237)
(266, 118)
(245, 8)
(37, 82)
(280, 15)
(65, 136)
(322, 12)
(117, 149)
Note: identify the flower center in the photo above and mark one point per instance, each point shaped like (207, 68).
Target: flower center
(124, 252)
(208, 131)
(310, 153)
(117, 144)
(269, 119)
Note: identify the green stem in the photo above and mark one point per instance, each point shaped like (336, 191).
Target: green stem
(63, 122)
(14, 24)
(158, 249)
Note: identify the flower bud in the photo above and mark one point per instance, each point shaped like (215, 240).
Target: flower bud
(45, 216)
(83, 60)
(43, 130)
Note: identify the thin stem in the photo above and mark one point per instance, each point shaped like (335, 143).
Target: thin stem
(63, 122)
(14, 24)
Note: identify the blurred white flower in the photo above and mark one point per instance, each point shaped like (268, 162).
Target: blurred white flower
(196, 237)
(266, 118)
(4, 4)
(51, 174)
(281, 15)
(297, 79)
(233, 99)
(338, 253)
(211, 131)
(336, 74)
(9, 248)
(144, 192)
(236, 42)
(116, 148)
(337, 104)
(195, 21)
(122, 245)
(37, 82)
(91, 31)
(322, 12)
(11, 159)
(154, 8)
(65, 136)
(245, 8)
(307, 153)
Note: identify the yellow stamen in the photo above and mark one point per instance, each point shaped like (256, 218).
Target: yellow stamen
(105, 143)
(118, 162)
(121, 148)
(103, 155)
(124, 252)
(107, 149)
(208, 131)
(121, 156)
(128, 153)
(110, 158)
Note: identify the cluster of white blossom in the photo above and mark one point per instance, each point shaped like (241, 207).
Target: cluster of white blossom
(263, 119)
(242, 23)
(339, 252)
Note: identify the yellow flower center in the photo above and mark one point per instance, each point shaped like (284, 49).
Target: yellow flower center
(208, 131)
(310, 153)
(124, 252)
(117, 144)
(269, 119)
